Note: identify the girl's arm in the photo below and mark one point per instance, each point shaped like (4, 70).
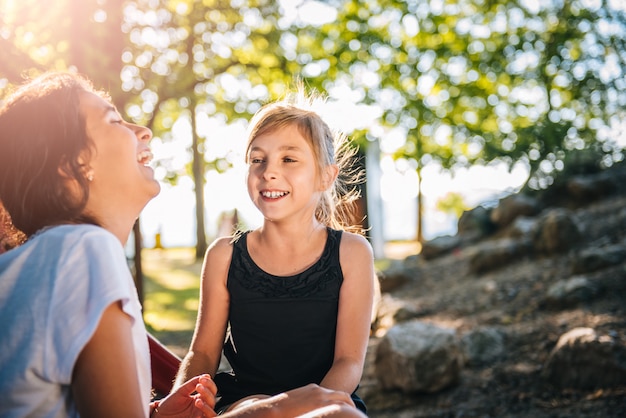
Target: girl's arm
(208, 339)
(193, 399)
(355, 312)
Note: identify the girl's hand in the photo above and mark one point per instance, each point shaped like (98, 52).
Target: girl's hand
(193, 399)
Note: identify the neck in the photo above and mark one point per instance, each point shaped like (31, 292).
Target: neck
(120, 229)
(117, 219)
(118, 224)
(290, 234)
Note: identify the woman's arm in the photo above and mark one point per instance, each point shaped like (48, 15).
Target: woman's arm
(355, 312)
(208, 339)
(104, 380)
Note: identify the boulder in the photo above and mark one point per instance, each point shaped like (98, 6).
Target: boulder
(513, 206)
(597, 258)
(570, 292)
(582, 359)
(418, 357)
(482, 345)
(496, 253)
(556, 232)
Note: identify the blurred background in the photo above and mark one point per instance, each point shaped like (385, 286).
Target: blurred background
(452, 104)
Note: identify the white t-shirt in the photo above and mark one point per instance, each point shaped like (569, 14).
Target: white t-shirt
(53, 291)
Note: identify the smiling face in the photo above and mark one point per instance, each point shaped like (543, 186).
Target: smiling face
(282, 176)
(121, 178)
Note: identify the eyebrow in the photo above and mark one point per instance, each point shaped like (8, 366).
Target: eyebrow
(108, 108)
(283, 148)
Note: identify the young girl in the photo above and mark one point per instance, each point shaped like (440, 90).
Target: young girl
(295, 294)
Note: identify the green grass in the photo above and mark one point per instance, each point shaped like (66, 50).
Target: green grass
(171, 295)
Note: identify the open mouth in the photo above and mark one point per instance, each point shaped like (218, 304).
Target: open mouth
(273, 194)
(145, 157)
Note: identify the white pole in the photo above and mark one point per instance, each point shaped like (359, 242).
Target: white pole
(374, 200)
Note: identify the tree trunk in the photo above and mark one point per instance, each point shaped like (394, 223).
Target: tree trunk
(420, 206)
(198, 179)
(137, 261)
(420, 209)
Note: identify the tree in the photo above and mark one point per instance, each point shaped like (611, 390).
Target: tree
(78, 34)
(27, 39)
(473, 81)
(212, 57)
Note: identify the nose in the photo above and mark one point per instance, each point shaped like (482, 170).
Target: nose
(143, 133)
(270, 171)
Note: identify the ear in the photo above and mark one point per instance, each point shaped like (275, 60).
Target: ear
(83, 159)
(86, 167)
(87, 171)
(329, 175)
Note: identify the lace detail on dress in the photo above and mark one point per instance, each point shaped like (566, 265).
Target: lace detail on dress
(310, 282)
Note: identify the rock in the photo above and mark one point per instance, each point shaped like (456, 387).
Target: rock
(592, 259)
(475, 224)
(570, 292)
(393, 277)
(556, 232)
(582, 359)
(482, 345)
(521, 228)
(392, 311)
(492, 254)
(593, 187)
(418, 357)
(439, 246)
(513, 206)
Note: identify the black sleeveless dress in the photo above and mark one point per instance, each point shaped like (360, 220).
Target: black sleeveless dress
(281, 329)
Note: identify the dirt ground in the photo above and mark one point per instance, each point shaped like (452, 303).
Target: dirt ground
(510, 298)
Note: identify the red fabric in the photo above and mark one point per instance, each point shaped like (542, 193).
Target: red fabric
(164, 364)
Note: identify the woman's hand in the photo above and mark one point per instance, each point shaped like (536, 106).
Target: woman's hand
(193, 399)
(310, 401)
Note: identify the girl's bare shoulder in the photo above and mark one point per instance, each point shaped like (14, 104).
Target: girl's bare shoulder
(220, 249)
(355, 244)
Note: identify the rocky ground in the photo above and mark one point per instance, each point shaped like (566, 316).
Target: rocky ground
(446, 292)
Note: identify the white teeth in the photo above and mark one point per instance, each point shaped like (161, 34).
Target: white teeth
(144, 157)
(273, 194)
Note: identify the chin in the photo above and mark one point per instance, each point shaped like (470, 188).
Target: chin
(148, 193)
(157, 189)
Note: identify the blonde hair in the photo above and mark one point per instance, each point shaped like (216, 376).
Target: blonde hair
(337, 206)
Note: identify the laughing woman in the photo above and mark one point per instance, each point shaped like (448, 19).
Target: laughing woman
(74, 178)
